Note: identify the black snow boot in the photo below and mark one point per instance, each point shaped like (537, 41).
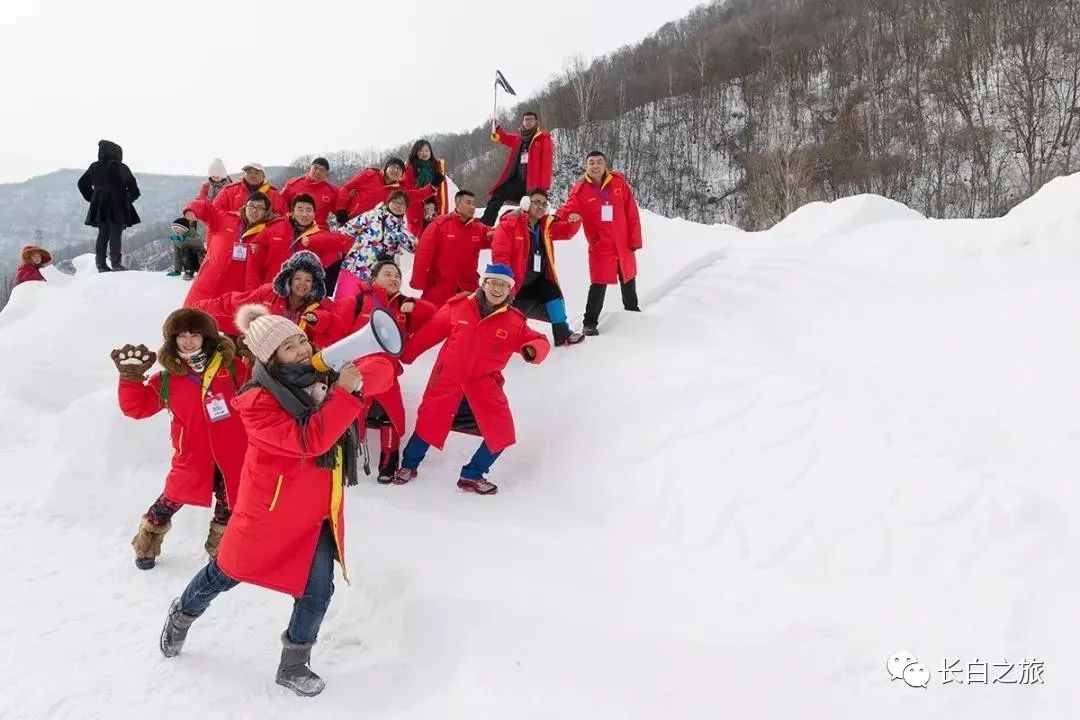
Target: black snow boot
(175, 631)
(294, 673)
(590, 330)
(388, 465)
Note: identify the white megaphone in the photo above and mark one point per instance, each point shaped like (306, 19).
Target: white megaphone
(381, 334)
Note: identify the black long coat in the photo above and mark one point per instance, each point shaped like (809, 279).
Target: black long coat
(110, 188)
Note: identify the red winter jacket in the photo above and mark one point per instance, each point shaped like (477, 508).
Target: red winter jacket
(541, 158)
(28, 272)
(512, 243)
(470, 365)
(284, 495)
(234, 195)
(228, 250)
(368, 188)
(348, 320)
(414, 216)
(448, 256)
(278, 242)
(198, 444)
(611, 243)
(223, 309)
(325, 195)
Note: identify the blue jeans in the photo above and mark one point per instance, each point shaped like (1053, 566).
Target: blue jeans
(481, 462)
(308, 610)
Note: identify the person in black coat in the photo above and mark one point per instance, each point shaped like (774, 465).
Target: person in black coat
(110, 188)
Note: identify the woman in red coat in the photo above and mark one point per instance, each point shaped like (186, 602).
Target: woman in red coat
(199, 380)
(422, 170)
(33, 259)
(298, 293)
(229, 237)
(386, 410)
(481, 332)
(372, 186)
(288, 525)
(604, 203)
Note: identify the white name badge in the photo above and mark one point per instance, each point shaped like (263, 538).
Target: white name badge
(536, 263)
(524, 158)
(607, 213)
(239, 251)
(216, 407)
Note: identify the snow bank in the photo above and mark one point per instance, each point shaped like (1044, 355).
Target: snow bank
(819, 445)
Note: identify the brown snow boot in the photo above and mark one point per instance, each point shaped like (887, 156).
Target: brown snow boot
(147, 542)
(213, 538)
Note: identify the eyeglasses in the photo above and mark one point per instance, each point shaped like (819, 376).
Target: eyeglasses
(538, 203)
(497, 284)
(255, 206)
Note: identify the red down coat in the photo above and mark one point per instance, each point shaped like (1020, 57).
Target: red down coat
(233, 196)
(541, 158)
(368, 188)
(284, 496)
(470, 365)
(223, 309)
(198, 444)
(278, 242)
(347, 321)
(447, 257)
(220, 273)
(611, 244)
(512, 243)
(324, 194)
(414, 216)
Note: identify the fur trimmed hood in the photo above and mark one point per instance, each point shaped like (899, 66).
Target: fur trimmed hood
(193, 321)
(305, 261)
(28, 250)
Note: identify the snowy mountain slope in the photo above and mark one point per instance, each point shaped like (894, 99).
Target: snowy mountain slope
(848, 436)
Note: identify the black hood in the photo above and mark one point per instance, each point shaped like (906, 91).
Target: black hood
(108, 150)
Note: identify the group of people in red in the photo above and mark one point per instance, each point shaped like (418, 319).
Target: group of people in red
(273, 442)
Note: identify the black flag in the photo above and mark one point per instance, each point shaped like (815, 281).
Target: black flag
(500, 81)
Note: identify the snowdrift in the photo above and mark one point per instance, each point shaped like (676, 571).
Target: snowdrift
(854, 434)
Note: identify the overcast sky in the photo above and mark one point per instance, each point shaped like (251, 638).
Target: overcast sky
(177, 82)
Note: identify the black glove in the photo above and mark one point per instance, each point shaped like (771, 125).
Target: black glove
(342, 217)
(437, 179)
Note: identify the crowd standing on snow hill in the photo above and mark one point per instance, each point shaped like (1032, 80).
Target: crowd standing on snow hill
(111, 190)
(271, 441)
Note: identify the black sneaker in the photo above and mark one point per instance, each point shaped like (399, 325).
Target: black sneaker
(590, 330)
(117, 267)
(104, 268)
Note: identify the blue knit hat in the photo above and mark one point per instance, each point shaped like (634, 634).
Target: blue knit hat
(498, 271)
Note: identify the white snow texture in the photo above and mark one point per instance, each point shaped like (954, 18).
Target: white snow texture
(854, 434)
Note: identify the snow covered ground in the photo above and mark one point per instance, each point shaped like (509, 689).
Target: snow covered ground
(855, 434)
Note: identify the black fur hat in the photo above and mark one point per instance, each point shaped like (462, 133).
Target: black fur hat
(308, 262)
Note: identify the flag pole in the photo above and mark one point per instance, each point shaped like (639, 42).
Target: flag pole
(495, 104)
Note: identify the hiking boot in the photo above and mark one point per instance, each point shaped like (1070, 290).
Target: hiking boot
(147, 542)
(294, 671)
(479, 486)
(173, 635)
(403, 476)
(117, 267)
(563, 336)
(104, 268)
(590, 330)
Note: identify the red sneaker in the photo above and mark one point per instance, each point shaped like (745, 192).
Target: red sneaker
(403, 476)
(480, 487)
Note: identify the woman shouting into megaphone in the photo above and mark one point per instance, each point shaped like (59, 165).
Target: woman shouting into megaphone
(387, 409)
